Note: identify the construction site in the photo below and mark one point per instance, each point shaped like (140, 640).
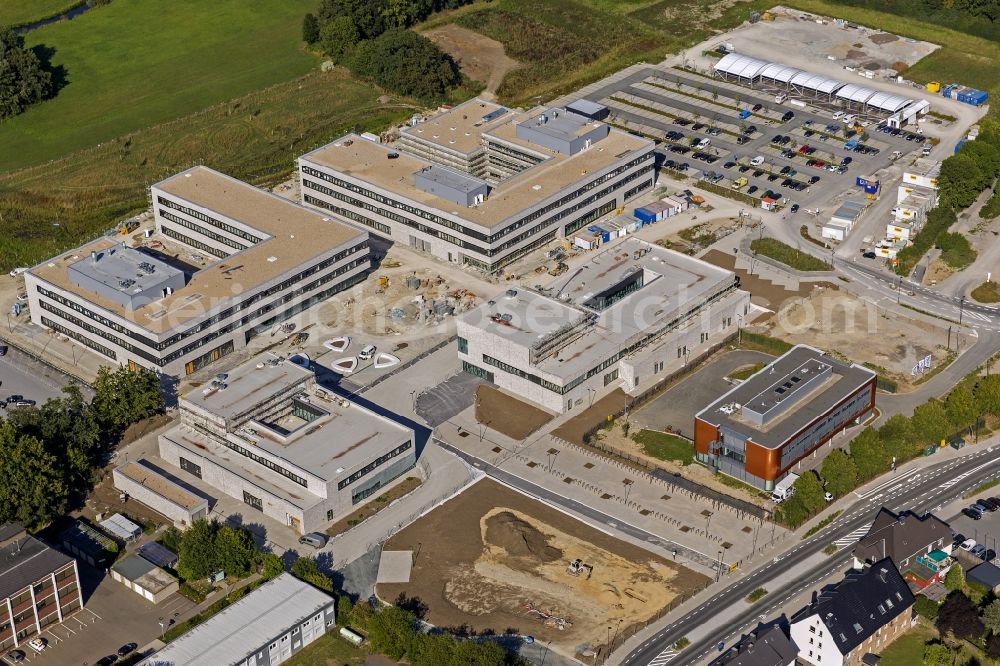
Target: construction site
(514, 563)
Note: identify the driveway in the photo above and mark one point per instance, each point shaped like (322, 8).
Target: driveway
(678, 405)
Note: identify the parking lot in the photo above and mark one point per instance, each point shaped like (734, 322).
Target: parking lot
(112, 616)
(743, 139)
(22, 375)
(985, 531)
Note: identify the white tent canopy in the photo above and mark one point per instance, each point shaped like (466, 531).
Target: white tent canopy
(741, 66)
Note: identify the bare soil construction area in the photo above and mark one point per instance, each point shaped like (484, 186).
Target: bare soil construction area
(479, 57)
(505, 567)
(506, 414)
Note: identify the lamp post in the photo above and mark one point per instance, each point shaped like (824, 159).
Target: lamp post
(161, 627)
(718, 570)
(961, 309)
(899, 282)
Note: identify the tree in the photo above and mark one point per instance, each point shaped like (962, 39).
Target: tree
(992, 646)
(809, 489)
(961, 407)
(938, 654)
(840, 473)
(391, 631)
(124, 396)
(310, 29)
(406, 63)
(344, 609)
(958, 617)
(475, 653)
(271, 566)
(988, 395)
(32, 487)
(955, 578)
(960, 182)
(306, 569)
(338, 38)
(869, 454)
(930, 422)
(236, 551)
(991, 616)
(198, 557)
(925, 608)
(23, 81)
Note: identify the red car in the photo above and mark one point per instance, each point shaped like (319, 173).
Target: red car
(803, 149)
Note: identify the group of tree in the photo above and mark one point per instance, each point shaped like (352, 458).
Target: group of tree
(23, 79)
(48, 454)
(976, 17)
(372, 39)
(393, 631)
(900, 439)
(964, 176)
(969, 615)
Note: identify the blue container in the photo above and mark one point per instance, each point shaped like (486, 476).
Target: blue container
(973, 96)
(645, 215)
(958, 146)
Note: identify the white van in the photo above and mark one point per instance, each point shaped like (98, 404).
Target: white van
(848, 119)
(780, 98)
(703, 143)
(838, 115)
(367, 353)
(757, 161)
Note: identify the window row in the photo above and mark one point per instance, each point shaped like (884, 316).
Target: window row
(381, 460)
(225, 240)
(219, 224)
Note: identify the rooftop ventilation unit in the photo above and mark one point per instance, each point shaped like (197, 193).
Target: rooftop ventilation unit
(126, 283)
(511, 293)
(147, 268)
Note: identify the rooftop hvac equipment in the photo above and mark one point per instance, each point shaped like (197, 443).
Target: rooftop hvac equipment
(126, 283)
(147, 268)
(511, 293)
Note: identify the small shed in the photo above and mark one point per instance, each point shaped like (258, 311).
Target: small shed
(89, 544)
(987, 574)
(768, 203)
(121, 527)
(144, 578)
(588, 109)
(158, 554)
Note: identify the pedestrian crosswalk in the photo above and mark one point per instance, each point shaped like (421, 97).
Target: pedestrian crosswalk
(663, 657)
(853, 537)
(950, 482)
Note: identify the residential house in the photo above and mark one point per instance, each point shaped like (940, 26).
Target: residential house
(766, 646)
(920, 546)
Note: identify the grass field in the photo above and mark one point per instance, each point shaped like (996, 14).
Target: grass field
(329, 650)
(256, 138)
(564, 44)
(121, 78)
(19, 12)
(665, 446)
(987, 292)
(747, 372)
(775, 249)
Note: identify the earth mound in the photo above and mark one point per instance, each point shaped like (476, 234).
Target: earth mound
(519, 538)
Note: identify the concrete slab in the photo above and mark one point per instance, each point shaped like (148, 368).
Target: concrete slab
(394, 567)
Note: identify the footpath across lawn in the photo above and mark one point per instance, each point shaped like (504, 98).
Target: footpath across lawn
(132, 64)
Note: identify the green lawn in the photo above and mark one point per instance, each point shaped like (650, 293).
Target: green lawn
(19, 12)
(788, 255)
(987, 292)
(908, 649)
(329, 650)
(665, 446)
(137, 63)
(747, 372)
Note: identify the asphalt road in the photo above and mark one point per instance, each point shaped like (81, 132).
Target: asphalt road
(920, 490)
(22, 374)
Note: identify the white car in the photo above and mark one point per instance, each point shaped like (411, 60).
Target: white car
(967, 545)
(38, 643)
(838, 115)
(757, 161)
(828, 497)
(367, 353)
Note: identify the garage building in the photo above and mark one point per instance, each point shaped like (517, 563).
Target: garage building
(144, 578)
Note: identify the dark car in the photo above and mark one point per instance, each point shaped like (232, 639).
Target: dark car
(799, 187)
(16, 656)
(741, 140)
(972, 513)
(744, 168)
(683, 166)
(107, 661)
(750, 130)
(846, 160)
(989, 503)
(785, 170)
(758, 173)
(670, 164)
(795, 208)
(127, 649)
(773, 177)
(697, 126)
(988, 555)
(777, 138)
(788, 116)
(814, 180)
(757, 107)
(752, 189)
(3, 350)
(871, 255)
(809, 133)
(729, 165)
(957, 539)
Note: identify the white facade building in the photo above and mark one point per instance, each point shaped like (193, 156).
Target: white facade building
(480, 184)
(246, 260)
(627, 318)
(266, 434)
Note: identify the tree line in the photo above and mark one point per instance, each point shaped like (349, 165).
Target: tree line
(371, 38)
(23, 79)
(48, 454)
(964, 176)
(900, 439)
(969, 615)
(975, 17)
(394, 632)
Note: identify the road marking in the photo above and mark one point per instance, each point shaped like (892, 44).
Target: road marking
(663, 657)
(883, 486)
(853, 536)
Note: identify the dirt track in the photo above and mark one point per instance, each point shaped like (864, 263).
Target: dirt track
(480, 58)
(507, 554)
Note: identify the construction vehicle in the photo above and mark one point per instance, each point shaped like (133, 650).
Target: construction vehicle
(558, 269)
(577, 566)
(128, 226)
(740, 183)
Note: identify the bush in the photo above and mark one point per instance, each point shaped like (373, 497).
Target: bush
(757, 595)
(788, 255)
(956, 250)
(925, 608)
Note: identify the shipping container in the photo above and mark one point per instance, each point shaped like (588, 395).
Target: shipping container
(644, 215)
(958, 146)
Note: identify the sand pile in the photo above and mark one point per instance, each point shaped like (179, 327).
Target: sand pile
(519, 538)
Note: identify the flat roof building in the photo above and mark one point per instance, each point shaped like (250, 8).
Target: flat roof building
(141, 482)
(264, 628)
(480, 184)
(38, 586)
(627, 318)
(266, 434)
(144, 578)
(759, 429)
(244, 268)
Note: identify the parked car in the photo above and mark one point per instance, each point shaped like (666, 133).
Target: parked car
(127, 649)
(697, 126)
(868, 254)
(978, 549)
(967, 545)
(784, 170)
(23, 402)
(809, 133)
(957, 539)
(988, 555)
(729, 165)
(314, 539)
(3, 350)
(758, 173)
(744, 168)
(846, 160)
(757, 107)
(981, 508)
(38, 643)
(773, 177)
(828, 497)
(107, 661)
(367, 353)
(752, 189)
(989, 503)
(795, 208)
(742, 139)
(16, 656)
(813, 180)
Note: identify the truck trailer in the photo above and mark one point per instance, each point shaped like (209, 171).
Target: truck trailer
(784, 488)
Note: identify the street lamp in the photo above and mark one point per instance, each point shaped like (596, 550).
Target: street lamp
(899, 283)
(718, 570)
(961, 309)
(161, 627)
